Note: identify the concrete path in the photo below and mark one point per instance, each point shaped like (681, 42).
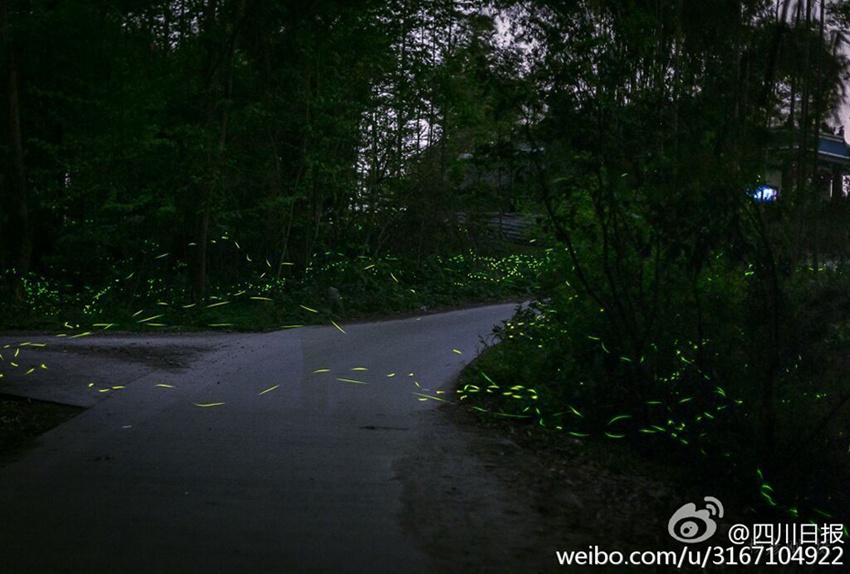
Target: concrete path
(247, 453)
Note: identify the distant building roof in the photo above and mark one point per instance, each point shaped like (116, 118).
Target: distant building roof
(833, 148)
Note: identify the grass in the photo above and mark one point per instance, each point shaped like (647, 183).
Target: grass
(496, 389)
(337, 288)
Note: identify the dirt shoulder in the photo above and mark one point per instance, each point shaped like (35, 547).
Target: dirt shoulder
(22, 421)
(488, 497)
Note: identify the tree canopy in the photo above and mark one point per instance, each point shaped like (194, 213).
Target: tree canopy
(352, 126)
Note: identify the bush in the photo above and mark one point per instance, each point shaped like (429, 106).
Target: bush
(153, 293)
(696, 393)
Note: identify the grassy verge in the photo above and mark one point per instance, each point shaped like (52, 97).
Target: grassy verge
(517, 388)
(494, 409)
(335, 289)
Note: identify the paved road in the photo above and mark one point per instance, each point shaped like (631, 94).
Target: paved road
(254, 453)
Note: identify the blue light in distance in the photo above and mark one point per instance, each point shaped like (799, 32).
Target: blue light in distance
(765, 194)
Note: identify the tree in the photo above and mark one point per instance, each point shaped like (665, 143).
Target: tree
(18, 236)
(653, 131)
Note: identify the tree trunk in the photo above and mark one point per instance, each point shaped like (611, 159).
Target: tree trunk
(199, 279)
(18, 234)
(219, 74)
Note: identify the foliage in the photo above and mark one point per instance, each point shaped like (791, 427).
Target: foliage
(303, 129)
(149, 295)
(678, 318)
(557, 366)
(254, 164)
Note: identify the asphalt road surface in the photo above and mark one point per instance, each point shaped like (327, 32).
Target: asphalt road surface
(307, 450)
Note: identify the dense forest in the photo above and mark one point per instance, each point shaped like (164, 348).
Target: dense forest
(175, 151)
(139, 128)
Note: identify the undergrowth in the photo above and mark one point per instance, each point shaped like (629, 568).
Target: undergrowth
(155, 295)
(556, 368)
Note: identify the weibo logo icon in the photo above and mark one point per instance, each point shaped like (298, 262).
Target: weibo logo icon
(691, 525)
